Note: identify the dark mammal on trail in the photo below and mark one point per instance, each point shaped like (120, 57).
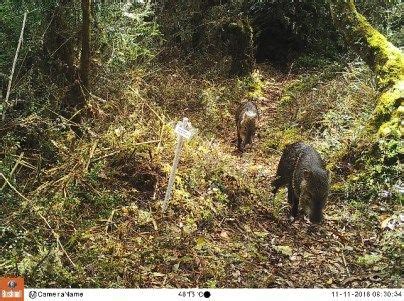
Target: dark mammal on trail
(246, 122)
(303, 170)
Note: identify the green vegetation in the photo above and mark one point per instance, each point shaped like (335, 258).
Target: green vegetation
(81, 197)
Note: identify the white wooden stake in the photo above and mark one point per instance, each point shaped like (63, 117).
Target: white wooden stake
(184, 130)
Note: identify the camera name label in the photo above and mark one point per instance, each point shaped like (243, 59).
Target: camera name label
(182, 131)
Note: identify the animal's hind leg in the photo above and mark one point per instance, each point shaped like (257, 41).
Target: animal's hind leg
(250, 134)
(275, 185)
(293, 201)
(248, 138)
(238, 139)
(240, 144)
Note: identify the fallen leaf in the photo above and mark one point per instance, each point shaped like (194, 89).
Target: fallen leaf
(175, 267)
(261, 234)
(200, 242)
(388, 223)
(285, 250)
(224, 234)
(368, 259)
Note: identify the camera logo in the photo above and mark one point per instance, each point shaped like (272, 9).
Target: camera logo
(33, 294)
(12, 284)
(11, 288)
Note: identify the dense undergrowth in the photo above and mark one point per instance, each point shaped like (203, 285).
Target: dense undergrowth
(86, 211)
(102, 197)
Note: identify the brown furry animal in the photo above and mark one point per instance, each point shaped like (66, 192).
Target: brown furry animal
(303, 170)
(246, 119)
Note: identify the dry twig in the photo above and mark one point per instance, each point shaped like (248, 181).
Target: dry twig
(56, 235)
(14, 168)
(13, 67)
(343, 259)
(93, 148)
(109, 221)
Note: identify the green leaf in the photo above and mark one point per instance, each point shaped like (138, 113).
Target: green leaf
(284, 250)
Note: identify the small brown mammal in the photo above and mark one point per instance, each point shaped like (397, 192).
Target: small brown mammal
(246, 119)
(303, 170)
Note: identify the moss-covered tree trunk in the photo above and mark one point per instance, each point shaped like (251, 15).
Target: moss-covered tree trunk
(386, 60)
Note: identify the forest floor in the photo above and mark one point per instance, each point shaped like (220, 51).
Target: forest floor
(223, 227)
(339, 253)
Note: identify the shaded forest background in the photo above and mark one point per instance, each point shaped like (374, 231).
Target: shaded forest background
(87, 143)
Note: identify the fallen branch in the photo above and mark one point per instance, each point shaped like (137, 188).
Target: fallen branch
(98, 98)
(24, 163)
(106, 156)
(68, 121)
(55, 235)
(91, 155)
(343, 259)
(118, 151)
(109, 221)
(150, 108)
(13, 67)
(14, 168)
(141, 143)
(160, 137)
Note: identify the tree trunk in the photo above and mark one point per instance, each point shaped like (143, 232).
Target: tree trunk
(383, 58)
(74, 101)
(85, 47)
(241, 47)
(59, 42)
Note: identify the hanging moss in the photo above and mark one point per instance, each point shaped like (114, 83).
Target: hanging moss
(393, 128)
(389, 69)
(389, 102)
(386, 60)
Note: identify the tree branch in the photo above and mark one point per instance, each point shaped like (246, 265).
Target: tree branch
(13, 68)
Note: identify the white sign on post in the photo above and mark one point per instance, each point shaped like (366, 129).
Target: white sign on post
(181, 129)
(185, 130)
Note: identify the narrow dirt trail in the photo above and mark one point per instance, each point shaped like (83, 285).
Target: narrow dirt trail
(298, 254)
(256, 157)
(224, 228)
